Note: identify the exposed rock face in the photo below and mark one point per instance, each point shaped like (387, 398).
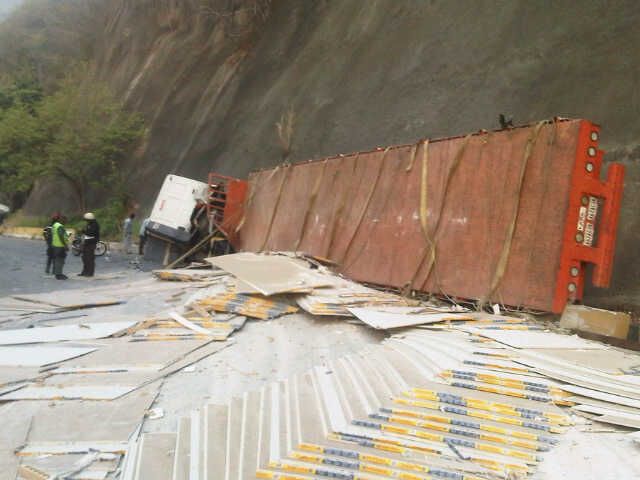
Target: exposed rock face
(214, 77)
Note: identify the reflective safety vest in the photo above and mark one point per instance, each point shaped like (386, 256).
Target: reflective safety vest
(56, 241)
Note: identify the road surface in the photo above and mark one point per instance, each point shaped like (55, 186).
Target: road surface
(22, 264)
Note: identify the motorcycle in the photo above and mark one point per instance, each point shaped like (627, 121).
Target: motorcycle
(77, 245)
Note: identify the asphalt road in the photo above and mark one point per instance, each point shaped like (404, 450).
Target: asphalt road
(22, 264)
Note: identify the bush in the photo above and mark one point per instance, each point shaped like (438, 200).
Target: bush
(18, 219)
(110, 218)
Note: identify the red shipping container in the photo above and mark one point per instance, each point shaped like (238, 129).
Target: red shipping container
(510, 216)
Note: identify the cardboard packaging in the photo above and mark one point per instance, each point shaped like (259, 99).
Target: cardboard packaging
(596, 320)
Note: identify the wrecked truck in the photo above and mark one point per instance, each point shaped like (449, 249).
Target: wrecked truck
(511, 216)
(189, 213)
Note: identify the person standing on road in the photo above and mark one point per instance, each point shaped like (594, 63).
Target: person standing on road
(60, 247)
(142, 236)
(127, 231)
(90, 238)
(46, 233)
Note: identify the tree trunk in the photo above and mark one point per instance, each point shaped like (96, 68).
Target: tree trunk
(82, 198)
(78, 187)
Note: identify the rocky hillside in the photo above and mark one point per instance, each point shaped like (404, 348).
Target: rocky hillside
(214, 78)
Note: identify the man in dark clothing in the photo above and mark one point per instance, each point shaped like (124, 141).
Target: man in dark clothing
(47, 234)
(198, 222)
(60, 247)
(90, 238)
(198, 213)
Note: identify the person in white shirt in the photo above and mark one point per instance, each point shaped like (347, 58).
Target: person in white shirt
(142, 234)
(127, 233)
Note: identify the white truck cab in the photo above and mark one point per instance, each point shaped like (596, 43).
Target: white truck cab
(171, 214)
(4, 211)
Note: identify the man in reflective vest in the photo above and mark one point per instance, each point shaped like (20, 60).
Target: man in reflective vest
(46, 233)
(60, 246)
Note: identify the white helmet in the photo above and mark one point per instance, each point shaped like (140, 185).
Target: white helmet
(89, 216)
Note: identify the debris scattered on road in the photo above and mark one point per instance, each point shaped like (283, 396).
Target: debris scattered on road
(596, 320)
(467, 394)
(188, 275)
(81, 331)
(271, 274)
(155, 413)
(385, 318)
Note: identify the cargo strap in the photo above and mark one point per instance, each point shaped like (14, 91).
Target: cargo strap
(415, 154)
(506, 248)
(365, 207)
(423, 198)
(382, 210)
(249, 201)
(430, 250)
(285, 176)
(311, 205)
(339, 210)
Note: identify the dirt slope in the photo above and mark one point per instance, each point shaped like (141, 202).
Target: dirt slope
(213, 77)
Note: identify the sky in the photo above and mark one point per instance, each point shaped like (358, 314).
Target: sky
(6, 6)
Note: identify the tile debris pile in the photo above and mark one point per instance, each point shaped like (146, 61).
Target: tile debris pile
(423, 404)
(67, 373)
(25, 305)
(188, 275)
(314, 288)
(452, 394)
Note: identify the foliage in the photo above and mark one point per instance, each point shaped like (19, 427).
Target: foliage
(23, 90)
(111, 218)
(22, 140)
(19, 219)
(80, 133)
(56, 118)
(42, 37)
(90, 134)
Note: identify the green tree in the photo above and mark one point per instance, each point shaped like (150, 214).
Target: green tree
(22, 139)
(81, 133)
(90, 135)
(21, 148)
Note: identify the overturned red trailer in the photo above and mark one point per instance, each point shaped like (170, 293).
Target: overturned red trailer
(510, 216)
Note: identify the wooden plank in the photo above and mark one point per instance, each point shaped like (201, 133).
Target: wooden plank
(187, 324)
